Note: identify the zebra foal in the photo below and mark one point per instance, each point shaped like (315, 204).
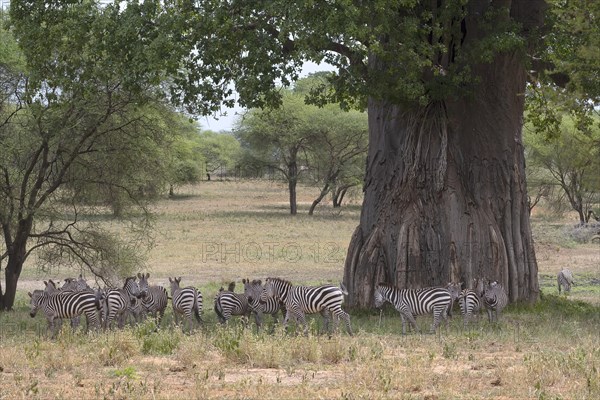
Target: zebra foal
(494, 297)
(253, 290)
(565, 280)
(412, 302)
(302, 300)
(186, 301)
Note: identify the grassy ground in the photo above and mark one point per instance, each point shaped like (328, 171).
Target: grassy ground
(221, 231)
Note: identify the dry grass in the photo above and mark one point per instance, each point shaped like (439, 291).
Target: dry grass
(212, 234)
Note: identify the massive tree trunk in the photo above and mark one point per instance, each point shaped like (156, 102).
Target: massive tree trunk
(445, 195)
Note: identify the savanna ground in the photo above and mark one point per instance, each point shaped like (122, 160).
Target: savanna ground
(216, 232)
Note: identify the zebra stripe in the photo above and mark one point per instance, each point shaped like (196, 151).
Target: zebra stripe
(565, 280)
(302, 300)
(65, 305)
(154, 298)
(413, 302)
(228, 303)
(118, 301)
(253, 290)
(494, 299)
(470, 304)
(186, 301)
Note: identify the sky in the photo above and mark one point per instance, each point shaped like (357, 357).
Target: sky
(226, 121)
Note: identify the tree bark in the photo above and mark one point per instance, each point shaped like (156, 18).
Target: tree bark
(292, 181)
(445, 194)
(316, 201)
(16, 258)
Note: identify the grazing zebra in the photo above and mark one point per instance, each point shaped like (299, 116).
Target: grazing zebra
(302, 300)
(154, 298)
(470, 304)
(565, 280)
(118, 301)
(65, 305)
(412, 302)
(494, 299)
(229, 303)
(186, 301)
(253, 290)
(454, 290)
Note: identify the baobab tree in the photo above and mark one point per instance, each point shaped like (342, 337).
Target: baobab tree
(443, 83)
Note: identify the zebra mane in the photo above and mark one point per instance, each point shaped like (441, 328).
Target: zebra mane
(281, 280)
(387, 285)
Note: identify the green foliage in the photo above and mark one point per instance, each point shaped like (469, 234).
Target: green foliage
(568, 160)
(406, 52)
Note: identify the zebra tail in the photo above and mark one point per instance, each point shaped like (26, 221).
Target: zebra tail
(197, 308)
(218, 310)
(343, 288)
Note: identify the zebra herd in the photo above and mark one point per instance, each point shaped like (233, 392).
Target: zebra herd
(137, 299)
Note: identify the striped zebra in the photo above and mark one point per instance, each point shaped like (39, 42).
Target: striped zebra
(75, 285)
(302, 300)
(117, 302)
(253, 290)
(494, 298)
(470, 304)
(65, 305)
(50, 286)
(186, 301)
(565, 280)
(412, 302)
(154, 298)
(228, 303)
(454, 290)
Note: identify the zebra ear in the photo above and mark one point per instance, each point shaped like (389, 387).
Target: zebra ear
(29, 293)
(147, 275)
(139, 275)
(244, 281)
(170, 280)
(178, 279)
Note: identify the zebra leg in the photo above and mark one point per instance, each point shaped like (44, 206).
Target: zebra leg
(326, 317)
(346, 317)
(412, 320)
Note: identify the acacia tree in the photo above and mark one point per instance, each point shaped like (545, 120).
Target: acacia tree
(340, 141)
(73, 101)
(571, 161)
(279, 139)
(219, 150)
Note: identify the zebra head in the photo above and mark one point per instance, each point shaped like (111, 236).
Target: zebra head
(478, 284)
(454, 289)
(81, 284)
(50, 286)
(131, 287)
(253, 290)
(174, 284)
(275, 288)
(143, 283)
(37, 298)
(380, 296)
